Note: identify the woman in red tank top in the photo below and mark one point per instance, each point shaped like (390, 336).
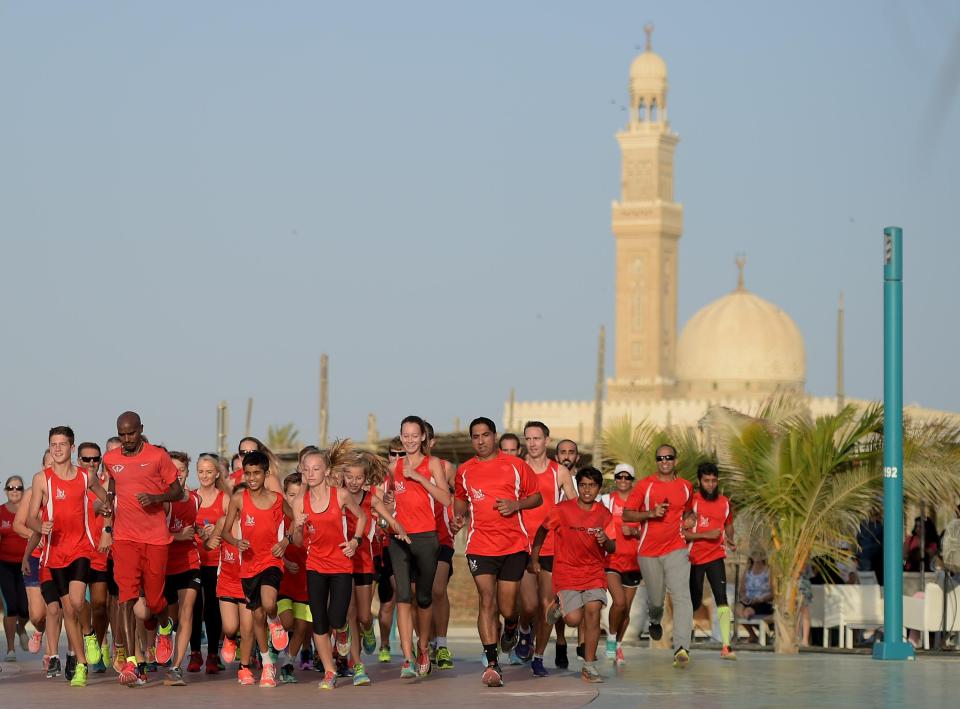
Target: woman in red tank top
(418, 483)
(12, 547)
(213, 505)
(262, 542)
(319, 522)
(362, 473)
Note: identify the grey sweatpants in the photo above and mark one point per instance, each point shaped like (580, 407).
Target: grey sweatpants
(670, 572)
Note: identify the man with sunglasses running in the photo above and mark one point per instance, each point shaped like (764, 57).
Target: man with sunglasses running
(660, 501)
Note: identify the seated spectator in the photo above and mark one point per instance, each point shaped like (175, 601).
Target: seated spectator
(756, 592)
(913, 558)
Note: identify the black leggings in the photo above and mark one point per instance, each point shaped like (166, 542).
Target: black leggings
(206, 609)
(716, 575)
(330, 596)
(13, 591)
(415, 562)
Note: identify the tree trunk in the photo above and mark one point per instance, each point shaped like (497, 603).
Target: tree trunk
(785, 618)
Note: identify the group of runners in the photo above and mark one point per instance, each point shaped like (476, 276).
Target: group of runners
(281, 573)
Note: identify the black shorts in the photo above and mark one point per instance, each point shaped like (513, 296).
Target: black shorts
(181, 582)
(270, 576)
(77, 570)
(546, 564)
(505, 568)
(48, 589)
(234, 601)
(361, 579)
(97, 576)
(628, 579)
(112, 588)
(446, 555)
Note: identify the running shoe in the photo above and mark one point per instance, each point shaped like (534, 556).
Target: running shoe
(538, 669)
(36, 640)
(619, 660)
(726, 653)
(369, 640)
(513, 658)
(492, 676)
(195, 663)
(655, 631)
(342, 636)
(229, 650)
(424, 666)
(70, 666)
(560, 660)
(174, 677)
(105, 658)
(306, 660)
(99, 666)
(444, 659)
(91, 648)
(211, 666)
(268, 678)
(79, 678)
(407, 671)
(611, 647)
(119, 658)
(329, 680)
(164, 645)
(245, 677)
(127, 673)
(384, 655)
(53, 666)
(581, 648)
(286, 674)
(11, 656)
(278, 636)
(524, 648)
(360, 677)
(24, 641)
(509, 637)
(681, 658)
(317, 664)
(432, 652)
(343, 667)
(590, 674)
(554, 613)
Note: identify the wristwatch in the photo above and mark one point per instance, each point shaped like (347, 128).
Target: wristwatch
(289, 539)
(358, 540)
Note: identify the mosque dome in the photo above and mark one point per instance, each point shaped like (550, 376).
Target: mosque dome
(648, 66)
(740, 345)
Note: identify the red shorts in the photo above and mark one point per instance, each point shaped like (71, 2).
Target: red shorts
(140, 567)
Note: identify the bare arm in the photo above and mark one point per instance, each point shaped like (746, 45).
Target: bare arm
(347, 503)
(377, 505)
(566, 483)
(20, 518)
(233, 511)
(38, 495)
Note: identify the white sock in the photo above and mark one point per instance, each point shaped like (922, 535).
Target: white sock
(441, 641)
(525, 631)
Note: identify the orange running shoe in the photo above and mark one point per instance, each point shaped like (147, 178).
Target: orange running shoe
(278, 636)
(164, 646)
(245, 677)
(228, 652)
(269, 676)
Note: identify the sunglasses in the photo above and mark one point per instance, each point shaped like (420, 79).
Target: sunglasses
(243, 453)
(90, 458)
(14, 488)
(397, 454)
(623, 476)
(661, 458)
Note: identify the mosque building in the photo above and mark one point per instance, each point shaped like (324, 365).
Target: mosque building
(736, 351)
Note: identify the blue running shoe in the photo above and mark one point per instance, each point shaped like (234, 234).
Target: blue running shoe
(524, 649)
(538, 669)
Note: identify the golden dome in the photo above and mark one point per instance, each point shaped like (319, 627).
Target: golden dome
(740, 344)
(647, 66)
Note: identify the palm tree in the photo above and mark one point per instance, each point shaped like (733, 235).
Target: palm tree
(283, 438)
(806, 484)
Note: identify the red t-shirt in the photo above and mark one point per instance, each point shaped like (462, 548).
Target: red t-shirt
(12, 545)
(548, 482)
(625, 556)
(182, 555)
(481, 483)
(711, 514)
(414, 503)
(578, 559)
(150, 471)
(659, 537)
(263, 529)
(67, 508)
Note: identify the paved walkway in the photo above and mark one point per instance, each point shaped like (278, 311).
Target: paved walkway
(756, 679)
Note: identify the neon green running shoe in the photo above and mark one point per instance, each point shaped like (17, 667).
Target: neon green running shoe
(369, 640)
(80, 675)
(91, 649)
(360, 678)
(384, 655)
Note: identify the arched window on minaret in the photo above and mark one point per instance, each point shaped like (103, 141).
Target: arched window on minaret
(641, 111)
(653, 110)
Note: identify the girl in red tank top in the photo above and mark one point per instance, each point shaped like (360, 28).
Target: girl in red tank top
(213, 505)
(362, 474)
(320, 523)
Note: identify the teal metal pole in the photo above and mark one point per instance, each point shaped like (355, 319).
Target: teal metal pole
(893, 646)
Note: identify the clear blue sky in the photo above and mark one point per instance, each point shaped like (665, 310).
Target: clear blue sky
(197, 199)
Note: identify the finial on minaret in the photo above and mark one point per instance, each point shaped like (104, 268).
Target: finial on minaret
(648, 30)
(741, 261)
